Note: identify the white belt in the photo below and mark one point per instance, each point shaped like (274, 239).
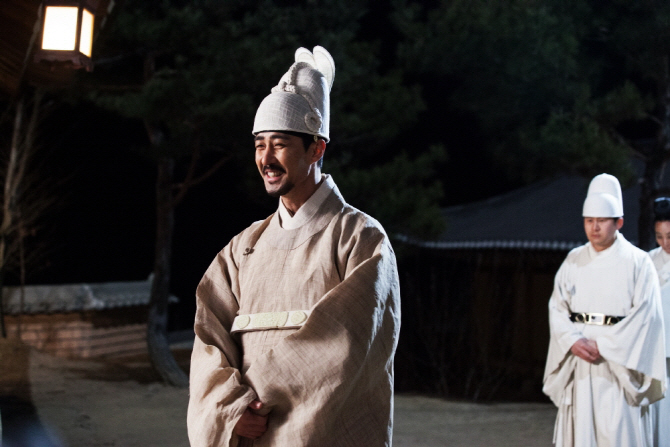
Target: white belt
(291, 319)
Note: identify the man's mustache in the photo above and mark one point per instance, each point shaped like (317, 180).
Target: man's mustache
(273, 167)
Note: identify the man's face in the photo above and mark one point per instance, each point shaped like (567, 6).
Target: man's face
(601, 231)
(282, 161)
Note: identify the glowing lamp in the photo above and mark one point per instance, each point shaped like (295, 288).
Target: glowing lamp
(67, 32)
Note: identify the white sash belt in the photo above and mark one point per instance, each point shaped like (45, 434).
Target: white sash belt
(291, 319)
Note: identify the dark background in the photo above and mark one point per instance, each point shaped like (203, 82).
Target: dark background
(103, 225)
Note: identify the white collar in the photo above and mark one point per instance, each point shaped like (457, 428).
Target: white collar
(593, 252)
(309, 208)
(665, 257)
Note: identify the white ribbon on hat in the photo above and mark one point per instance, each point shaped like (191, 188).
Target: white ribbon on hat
(320, 59)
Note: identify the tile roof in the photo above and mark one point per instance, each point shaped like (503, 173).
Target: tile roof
(77, 297)
(543, 216)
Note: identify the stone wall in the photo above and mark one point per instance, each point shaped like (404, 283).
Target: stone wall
(104, 333)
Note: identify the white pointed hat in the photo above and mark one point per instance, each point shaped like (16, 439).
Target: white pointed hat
(604, 198)
(301, 100)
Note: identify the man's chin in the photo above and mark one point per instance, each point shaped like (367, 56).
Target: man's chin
(279, 191)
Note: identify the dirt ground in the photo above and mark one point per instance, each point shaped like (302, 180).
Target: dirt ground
(76, 403)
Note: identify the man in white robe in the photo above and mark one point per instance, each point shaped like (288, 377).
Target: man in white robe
(606, 360)
(298, 316)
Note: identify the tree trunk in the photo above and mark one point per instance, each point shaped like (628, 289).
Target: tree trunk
(9, 189)
(3, 330)
(159, 348)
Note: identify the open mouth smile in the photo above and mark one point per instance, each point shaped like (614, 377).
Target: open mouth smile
(272, 172)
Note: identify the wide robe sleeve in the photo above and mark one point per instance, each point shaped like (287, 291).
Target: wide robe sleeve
(563, 334)
(217, 395)
(635, 347)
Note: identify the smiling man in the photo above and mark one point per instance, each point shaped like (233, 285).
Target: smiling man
(298, 316)
(606, 360)
(289, 166)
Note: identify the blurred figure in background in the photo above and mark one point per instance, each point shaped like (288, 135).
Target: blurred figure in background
(661, 258)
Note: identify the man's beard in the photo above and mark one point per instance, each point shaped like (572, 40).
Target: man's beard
(288, 186)
(284, 189)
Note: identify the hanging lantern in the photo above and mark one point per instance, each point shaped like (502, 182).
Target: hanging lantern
(67, 32)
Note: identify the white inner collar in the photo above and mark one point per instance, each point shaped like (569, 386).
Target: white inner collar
(665, 257)
(309, 208)
(593, 252)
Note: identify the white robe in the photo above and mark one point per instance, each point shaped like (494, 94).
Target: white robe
(606, 404)
(661, 409)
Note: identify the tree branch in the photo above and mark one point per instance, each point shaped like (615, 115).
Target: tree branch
(184, 186)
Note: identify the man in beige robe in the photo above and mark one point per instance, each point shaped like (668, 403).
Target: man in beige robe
(606, 360)
(298, 316)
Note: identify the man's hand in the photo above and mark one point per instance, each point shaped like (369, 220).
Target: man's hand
(252, 425)
(586, 350)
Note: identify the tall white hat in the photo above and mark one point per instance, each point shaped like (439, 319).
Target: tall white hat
(604, 198)
(301, 100)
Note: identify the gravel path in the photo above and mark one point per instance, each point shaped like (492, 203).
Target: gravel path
(426, 422)
(93, 404)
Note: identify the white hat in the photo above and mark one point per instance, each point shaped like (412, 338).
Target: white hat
(301, 100)
(604, 197)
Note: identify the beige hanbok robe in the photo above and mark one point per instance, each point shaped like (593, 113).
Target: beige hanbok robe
(329, 383)
(606, 404)
(661, 409)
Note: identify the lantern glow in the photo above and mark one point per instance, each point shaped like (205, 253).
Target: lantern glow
(60, 28)
(86, 35)
(67, 33)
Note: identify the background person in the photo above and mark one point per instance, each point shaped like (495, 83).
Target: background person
(606, 360)
(661, 259)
